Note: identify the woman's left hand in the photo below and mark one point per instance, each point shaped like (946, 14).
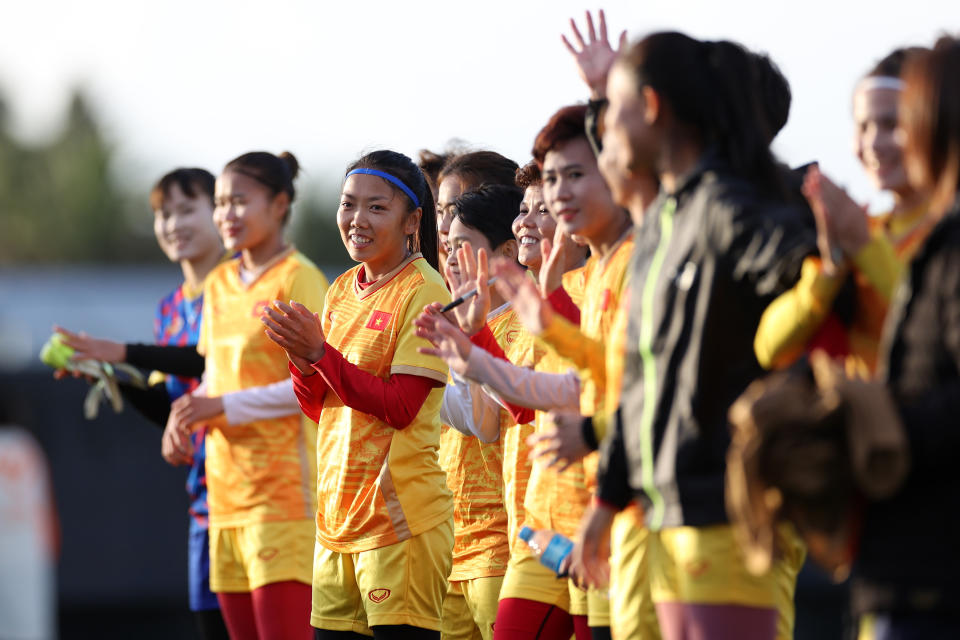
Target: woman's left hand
(189, 409)
(297, 329)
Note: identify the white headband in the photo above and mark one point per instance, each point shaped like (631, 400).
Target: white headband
(881, 82)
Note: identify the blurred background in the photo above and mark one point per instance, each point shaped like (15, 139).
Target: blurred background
(100, 98)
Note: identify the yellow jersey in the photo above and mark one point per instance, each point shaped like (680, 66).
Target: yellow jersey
(475, 477)
(265, 470)
(378, 485)
(558, 500)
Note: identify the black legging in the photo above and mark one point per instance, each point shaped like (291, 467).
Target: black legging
(600, 633)
(210, 624)
(380, 632)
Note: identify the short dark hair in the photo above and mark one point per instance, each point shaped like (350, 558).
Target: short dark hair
(490, 209)
(479, 167)
(192, 182)
(566, 124)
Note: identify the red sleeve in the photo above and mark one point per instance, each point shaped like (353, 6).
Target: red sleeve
(486, 341)
(396, 400)
(563, 304)
(520, 415)
(310, 391)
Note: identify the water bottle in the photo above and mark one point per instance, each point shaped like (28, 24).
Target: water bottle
(550, 547)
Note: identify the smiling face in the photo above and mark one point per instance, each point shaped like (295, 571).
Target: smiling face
(575, 192)
(184, 226)
(532, 224)
(375, 223)
(460, 233)
(876, 143)
(247, 214)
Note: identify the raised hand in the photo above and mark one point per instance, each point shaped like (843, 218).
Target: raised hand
(842, 227)
(554, 263)
(298, 330)
(594, 56)
(87, 348)
(515, 285)
(448, 342)
(561, 443)
(473, 273)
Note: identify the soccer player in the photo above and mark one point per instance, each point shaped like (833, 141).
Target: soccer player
(487, 478)
(384, 519)
(260, 475)
(913, 594)
(578, 198)
(464, 172)
(182, 202)
(840, 308)
(719, 246)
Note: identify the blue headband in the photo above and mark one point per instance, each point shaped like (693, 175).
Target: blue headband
(395, 180)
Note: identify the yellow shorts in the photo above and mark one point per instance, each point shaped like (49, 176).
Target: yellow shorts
(470, 609)
(704, 565)
(245, 558)
(528, 579)
(629, 580)
(403, 583)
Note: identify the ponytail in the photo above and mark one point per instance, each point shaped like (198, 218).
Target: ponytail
(712, 88)
(276, 173)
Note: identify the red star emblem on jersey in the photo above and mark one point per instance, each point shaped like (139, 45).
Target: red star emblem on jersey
(379, 320)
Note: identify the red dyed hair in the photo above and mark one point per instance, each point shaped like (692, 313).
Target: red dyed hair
(565, 125)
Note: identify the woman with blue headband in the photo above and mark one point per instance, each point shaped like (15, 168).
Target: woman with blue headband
(384, 513)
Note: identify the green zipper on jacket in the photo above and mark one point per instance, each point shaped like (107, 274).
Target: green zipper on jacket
(650, 364)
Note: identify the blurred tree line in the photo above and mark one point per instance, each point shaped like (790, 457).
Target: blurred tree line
(60, 202)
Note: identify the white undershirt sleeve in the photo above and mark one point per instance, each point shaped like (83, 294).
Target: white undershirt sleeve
(522, 386)
(268, 402)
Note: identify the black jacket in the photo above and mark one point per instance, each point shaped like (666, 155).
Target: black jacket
(909, 558)
(699, 282)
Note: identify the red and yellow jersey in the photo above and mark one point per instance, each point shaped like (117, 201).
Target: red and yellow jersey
(475, 477)
(798, 318)
(604, 283)
(573, 282)
(904, 233)
(379, 485)
(518, 347)
(261, 471)
(558, 500)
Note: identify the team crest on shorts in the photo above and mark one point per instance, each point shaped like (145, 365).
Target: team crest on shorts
(379, 595)
(268, 553)
(697, 568)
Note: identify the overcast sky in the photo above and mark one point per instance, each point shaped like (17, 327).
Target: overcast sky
(196, 82)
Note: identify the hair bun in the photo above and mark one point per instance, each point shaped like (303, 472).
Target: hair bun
(291, 161)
